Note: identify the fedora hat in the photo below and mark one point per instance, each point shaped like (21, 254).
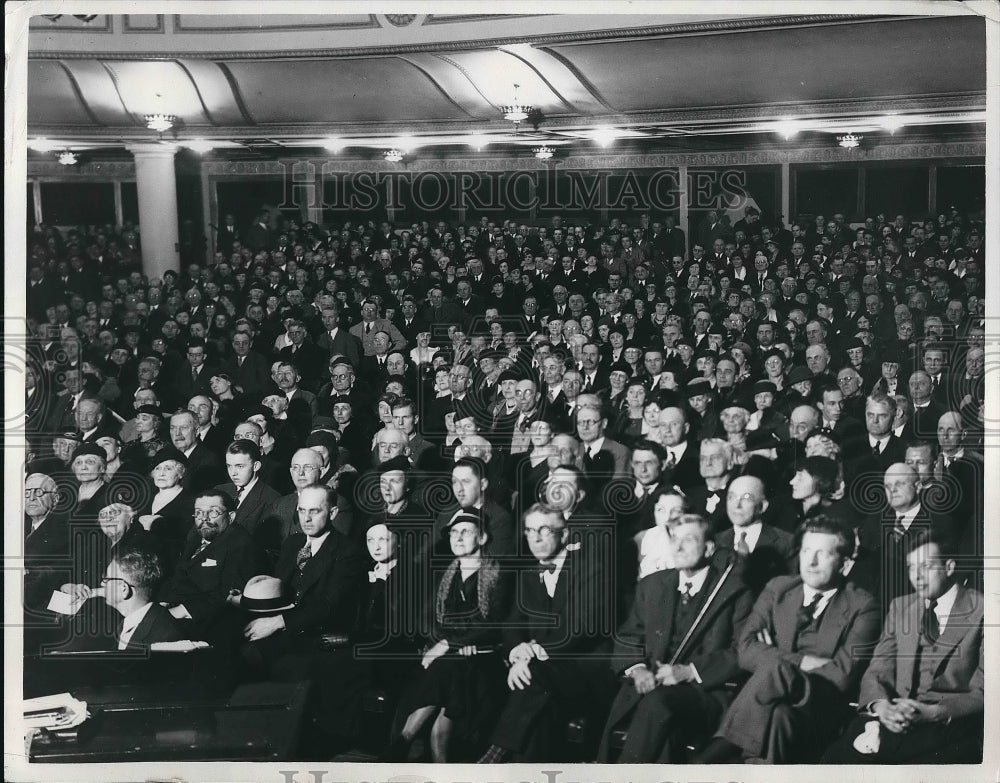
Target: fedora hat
(264, 594)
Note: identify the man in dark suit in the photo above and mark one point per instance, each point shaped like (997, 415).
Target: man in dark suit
(675, 663)
(926, 410)
(885, 538)
(46, 541)
(763, 551)
(555, 641)
(469, 484)
(805, 645)
(193, 375)
(309, 358)
(204, 468)
(922, 696)
(339, 342)
(226, 236)
(258, 236)
(251, 496)
(681, 467)
(130, 582)
(219, 557)
(92, 419)
(249, 370)
(320, 570)
(603, 457)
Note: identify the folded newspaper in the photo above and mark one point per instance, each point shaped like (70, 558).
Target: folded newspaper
(60, 711)
(185, 645)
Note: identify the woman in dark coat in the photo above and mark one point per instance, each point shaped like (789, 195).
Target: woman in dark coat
(462, 685)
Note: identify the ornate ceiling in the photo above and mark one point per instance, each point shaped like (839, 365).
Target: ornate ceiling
(281, 84)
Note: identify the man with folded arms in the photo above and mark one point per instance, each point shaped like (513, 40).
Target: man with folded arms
(805, 645)
(922, 696)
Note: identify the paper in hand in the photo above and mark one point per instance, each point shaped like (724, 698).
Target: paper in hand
(64, 603)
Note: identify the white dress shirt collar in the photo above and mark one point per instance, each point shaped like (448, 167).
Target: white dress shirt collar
(696, 580)
(944, 605)
(809, 593)
(752, 530)
(130, 623)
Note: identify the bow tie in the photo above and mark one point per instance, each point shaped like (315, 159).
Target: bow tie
(380, 572)
(549, 567)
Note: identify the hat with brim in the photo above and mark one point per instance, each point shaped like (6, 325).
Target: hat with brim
(264, 594)
(89, 450)
(799, 374)
(168, 454)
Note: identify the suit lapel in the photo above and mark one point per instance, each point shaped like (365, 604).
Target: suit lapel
(785, 617)
(906, 646)
(665, 617)
(958, 626)
(318, 563)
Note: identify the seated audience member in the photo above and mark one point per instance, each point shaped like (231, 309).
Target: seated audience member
(806, 644)
(922, 696)
(46, 542)
(677, 651)
(764, 551)
(130, 584)
(656, 547)
(170, 511)
(218, 558)
(460, 689)
(251, 496)
(320, 570)
(555, 642)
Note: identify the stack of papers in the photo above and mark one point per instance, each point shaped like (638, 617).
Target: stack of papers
(52, 713)
(185, 645)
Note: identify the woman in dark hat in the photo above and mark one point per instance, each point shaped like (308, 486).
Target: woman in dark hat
(629, 424)
(611, 352)
(169, 512)
(90, 487)
(461, 687)
(618, 378)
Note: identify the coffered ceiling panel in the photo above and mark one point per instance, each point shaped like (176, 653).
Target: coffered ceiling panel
(53, 98)
(345, 90)
(786, 67)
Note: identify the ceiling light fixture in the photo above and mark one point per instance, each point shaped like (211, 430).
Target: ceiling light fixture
(333, 145)
(393, 156)
(42, 145)
(516, 112)
(160, 122)
(605, 137)
(892, 123)
(850, 141)
(67, 158)
(543, 153)
(199, 145)
(788, 128)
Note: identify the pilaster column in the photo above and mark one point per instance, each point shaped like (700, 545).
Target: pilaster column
(156, 183)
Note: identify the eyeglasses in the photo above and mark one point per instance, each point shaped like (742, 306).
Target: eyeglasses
(457, 533)
(106, 579)
(541, 532)
(37, 492)
(210, 514)
(303, 468)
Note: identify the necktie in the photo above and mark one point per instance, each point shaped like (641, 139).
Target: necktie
(239, 495)
(686, 595)
(898, 529)
(200, 549)
(671, 460)
(194, 375)
(523, 426)
(368, 328)
(875, 450)
(587, 387)
(240, 360)
(742, 547)
(930, 627)
(302, 558)
(806, 615)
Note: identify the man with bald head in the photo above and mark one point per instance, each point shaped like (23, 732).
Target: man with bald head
(763, 551)
(885, 539)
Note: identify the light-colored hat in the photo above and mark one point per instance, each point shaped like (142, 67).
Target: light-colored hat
(264, 594)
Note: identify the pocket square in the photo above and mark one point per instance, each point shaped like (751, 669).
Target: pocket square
(869, 741)
(209, 563)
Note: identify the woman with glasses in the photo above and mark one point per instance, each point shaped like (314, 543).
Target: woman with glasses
(459, 690)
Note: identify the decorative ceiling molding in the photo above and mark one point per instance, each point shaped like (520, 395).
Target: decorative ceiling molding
(722, 26)
(128, 27)
(371, 23)
(67, 23)
(51, 169)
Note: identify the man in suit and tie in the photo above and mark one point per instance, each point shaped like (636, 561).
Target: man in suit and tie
(218, 558)
(194, 375)
(555, 641)
(764, 551)
(922, 698)
(336, 341)
(309, 358)
(805, 644)
(130, 583)
(674, 661)
(204, 468)
(248, 369)
(681, 467)
(92, 419)
(370, 324)
(46, 540)
(877, 450)
(603, 457)
(251, 496)
(320, 570)
(885, 538)
(227, 235)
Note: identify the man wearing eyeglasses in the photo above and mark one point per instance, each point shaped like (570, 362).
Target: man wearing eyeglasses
(46, 540)
(129, 584)
(555, 642)
(219, 557)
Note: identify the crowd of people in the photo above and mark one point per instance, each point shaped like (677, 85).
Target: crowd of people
(713, 499)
